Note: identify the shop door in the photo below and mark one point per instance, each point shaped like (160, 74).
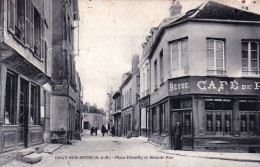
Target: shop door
(24, 112)
(182, 134)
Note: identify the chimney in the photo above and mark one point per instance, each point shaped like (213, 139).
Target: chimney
(135, 61)
(175, 8)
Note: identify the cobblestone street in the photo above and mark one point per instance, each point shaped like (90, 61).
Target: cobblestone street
(95, 151)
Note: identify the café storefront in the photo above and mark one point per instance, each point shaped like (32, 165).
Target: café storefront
(215, 113)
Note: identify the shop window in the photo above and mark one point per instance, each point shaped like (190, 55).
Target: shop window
(187, 123)
(176, 104)
(215, 57)
(248, 117)
(218, 116)
(34, 110)
(154, 120)
(10, 98)
(250, 58)
(209, 122)
(24, 94)
(162, 118)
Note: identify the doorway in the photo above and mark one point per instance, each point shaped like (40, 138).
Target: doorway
(182, 139)
(24, 112)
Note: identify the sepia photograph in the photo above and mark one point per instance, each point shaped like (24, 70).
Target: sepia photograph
(129, 83)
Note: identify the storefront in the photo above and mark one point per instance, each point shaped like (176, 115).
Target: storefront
(126, 116)
(21, 120)
(117, 123)
(215, 113)
(143, 104)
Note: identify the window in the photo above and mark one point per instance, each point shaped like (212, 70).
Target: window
(34, 110)
(179, 55)
(154, 121)
(250, 58)
(249, 110)
(10, 98)
(20, 20)
(162, 118)
(155, 75)
(161, 66)
(218, 116)
(129, 122)
(215, 57)
(27, 25)
(187, 123)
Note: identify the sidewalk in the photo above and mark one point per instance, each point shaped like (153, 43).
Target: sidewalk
(243, 157)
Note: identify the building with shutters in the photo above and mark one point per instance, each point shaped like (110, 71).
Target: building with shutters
(64, 77)
(204, 73)
(129, 100)
(25, 72)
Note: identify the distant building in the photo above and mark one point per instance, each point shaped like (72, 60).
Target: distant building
(117, 112)
(93, 119)
(129, 97)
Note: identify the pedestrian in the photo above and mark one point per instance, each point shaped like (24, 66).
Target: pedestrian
(113, 131)
(103, 130)
(177, 136)
(96, 130)
(91, 131)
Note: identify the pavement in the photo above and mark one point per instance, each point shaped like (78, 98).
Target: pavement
(98, 151)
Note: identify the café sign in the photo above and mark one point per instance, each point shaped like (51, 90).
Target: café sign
(214, 85)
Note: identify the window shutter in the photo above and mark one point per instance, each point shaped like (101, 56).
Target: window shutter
(42, 39)
(27, 23)
(11, 16)
(32, 25)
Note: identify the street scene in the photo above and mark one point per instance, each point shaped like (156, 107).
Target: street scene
(111, 151)
(129, 83)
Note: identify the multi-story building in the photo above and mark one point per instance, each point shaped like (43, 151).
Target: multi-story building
(129, 97)
(25, 66)
(204, 69)
(117, 112)
(64, 93)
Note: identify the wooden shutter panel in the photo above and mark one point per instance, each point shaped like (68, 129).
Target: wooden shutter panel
(11, 15)
(27, 23)
(32, 25)
(42, 39)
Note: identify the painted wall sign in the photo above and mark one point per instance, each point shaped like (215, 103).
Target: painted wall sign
(159, 94)
(214, 85)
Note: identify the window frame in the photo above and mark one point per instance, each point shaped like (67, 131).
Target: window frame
(249, 50)
(180, 58)
(215, 70)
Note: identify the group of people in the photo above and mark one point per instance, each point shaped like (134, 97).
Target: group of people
(94, 130)
(103, 130)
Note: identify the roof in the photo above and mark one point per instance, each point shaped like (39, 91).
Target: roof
(208, 11)
(212, 10)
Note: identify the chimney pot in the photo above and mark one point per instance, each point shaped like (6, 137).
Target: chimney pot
(175, 8)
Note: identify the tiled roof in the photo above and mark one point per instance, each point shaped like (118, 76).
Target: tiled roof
(214, 10)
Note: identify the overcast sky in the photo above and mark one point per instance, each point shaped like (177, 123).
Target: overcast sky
(112, 31)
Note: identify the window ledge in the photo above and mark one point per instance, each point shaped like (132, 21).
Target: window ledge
(217, 75)
(250, 76)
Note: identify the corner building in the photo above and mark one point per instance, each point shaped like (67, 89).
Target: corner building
(205, 73)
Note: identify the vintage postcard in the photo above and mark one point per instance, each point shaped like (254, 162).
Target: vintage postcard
(123, 83)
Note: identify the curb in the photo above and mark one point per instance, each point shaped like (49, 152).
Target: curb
(210, 157)
(206, 157)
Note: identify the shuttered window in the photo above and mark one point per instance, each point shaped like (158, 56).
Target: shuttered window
(27, 23)
(42, 39)
(11, 16)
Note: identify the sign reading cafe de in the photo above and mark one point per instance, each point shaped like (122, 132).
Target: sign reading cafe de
(213, 85)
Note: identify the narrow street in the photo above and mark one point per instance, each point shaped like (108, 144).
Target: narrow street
(97, 151)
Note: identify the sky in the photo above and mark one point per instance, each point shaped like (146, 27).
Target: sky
(112, 31)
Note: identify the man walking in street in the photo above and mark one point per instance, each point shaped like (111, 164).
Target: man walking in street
(177, 136)
(113, 131)
(103, 130)
(96, 130)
